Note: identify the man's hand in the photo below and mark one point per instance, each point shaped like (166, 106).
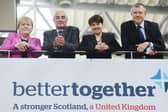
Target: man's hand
(152, 52)
(59, 40)
(142, 46)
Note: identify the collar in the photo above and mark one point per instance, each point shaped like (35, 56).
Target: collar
(23, 38)
(142, 25)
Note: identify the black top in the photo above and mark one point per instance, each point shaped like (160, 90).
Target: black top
(89, 42)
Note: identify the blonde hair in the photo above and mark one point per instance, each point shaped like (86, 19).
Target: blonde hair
(26, 19)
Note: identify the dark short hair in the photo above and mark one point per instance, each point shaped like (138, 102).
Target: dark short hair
(95, 18)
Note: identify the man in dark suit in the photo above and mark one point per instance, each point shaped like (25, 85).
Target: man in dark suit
(141, 36)
(98, 44)
(62, 41)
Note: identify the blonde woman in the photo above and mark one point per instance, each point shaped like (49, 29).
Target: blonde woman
(22, 41)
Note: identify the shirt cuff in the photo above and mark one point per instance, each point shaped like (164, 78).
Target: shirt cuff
(149, 48)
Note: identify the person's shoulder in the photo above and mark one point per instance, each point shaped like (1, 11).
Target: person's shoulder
(151, 23)
(35, 38)
(13, 34)
(72, 28)
(87, 35)
(49, 31)
(110, 34)
(127, 22)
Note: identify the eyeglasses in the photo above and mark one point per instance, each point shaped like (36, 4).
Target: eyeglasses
(60, 17)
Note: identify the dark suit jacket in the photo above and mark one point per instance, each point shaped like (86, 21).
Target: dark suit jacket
(129, 38)
(89, 42)
(71, 36)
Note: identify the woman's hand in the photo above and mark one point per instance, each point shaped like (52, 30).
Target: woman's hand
(22, 46)
(101, 46)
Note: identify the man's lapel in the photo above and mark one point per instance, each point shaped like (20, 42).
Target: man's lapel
(147, 30)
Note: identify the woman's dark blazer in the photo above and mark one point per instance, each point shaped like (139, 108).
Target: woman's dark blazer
(89, 42)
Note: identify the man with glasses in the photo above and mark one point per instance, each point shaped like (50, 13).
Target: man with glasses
(62, 41)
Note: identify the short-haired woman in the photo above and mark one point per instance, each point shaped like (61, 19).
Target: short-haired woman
(22, 42)
(98, 44)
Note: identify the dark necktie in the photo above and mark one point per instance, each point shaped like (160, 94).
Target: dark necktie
(60, 32)
(140, 34)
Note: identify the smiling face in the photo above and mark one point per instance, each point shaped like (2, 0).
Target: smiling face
(96, 24)
(60, 19)
(138, 14)
(96, 28)
(25, 26)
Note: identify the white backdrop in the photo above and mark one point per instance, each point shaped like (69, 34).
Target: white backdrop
(28, 73)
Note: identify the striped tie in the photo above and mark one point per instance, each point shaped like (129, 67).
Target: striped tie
(140, 34)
